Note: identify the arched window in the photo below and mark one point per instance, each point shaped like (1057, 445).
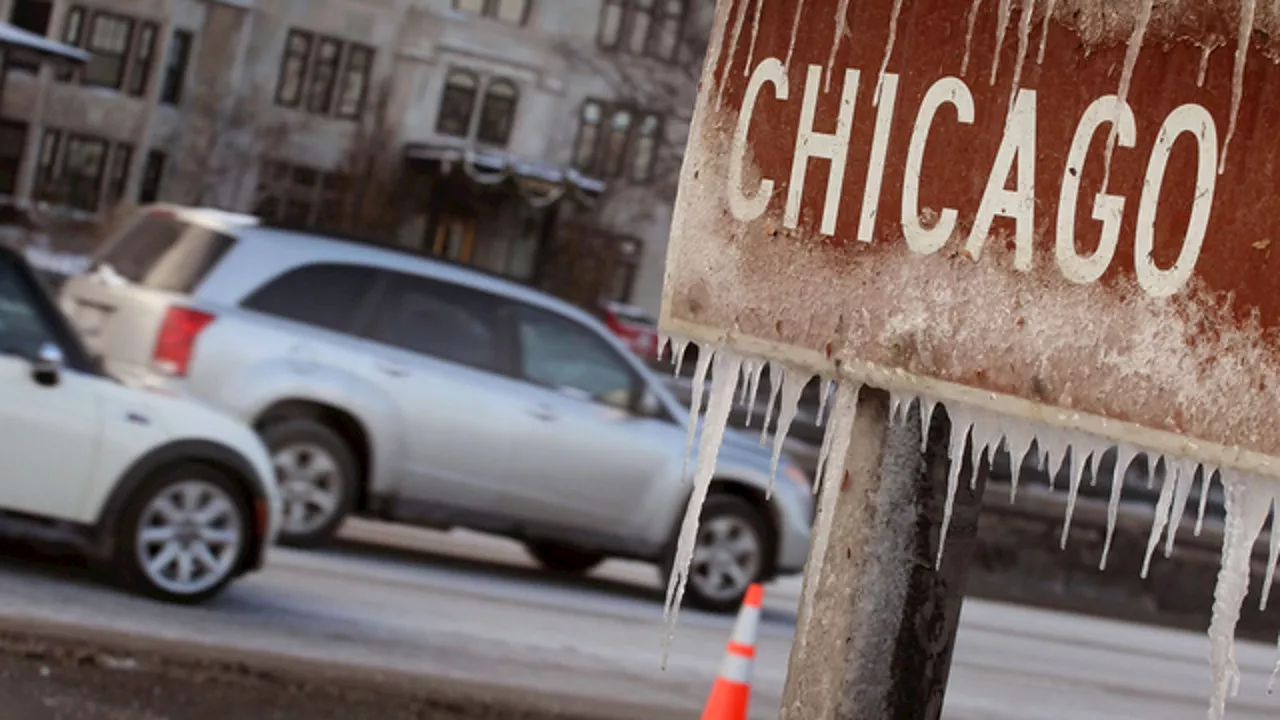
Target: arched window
(457, 103)
(644, 148)
(584, 151)
(642, 27)
(666, 40)
(639, 25)
(498, 112)
(611, 15)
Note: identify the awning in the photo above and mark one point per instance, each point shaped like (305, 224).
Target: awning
(489, 167)
(24, 44)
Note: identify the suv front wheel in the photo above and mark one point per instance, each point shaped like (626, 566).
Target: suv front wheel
(316, 473)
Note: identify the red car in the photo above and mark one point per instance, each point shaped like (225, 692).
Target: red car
(637, 328)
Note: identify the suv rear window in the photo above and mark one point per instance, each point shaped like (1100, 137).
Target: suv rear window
(164, 253)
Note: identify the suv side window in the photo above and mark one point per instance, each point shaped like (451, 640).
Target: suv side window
(326, 295)
(561, 354)
(440, 320)
(22, 328)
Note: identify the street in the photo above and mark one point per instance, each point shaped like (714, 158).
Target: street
(470, 615)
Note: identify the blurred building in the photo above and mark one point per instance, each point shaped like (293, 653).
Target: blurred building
(539, 139)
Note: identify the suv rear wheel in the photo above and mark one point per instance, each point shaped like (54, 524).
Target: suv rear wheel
(184, 534)
(316, 472)
(728, 555)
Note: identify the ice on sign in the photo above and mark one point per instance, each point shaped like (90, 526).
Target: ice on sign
(1052, 217)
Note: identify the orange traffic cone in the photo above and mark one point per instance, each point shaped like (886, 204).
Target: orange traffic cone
(732, 689)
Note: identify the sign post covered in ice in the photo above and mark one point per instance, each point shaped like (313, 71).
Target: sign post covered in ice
(1053, 217)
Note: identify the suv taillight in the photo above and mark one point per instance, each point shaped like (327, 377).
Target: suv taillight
(177, 338)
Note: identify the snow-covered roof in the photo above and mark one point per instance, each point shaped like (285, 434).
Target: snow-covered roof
(16, 37)
(505, 162)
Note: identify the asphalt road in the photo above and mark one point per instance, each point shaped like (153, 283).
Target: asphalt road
(467, 614)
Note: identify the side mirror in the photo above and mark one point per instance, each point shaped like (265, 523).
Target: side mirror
(47, 366)
(647, 405)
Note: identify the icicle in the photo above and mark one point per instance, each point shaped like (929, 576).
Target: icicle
(792, 386)
(1247, 500)
(748, 368)
(842, 12)
(1205, 52)
(927, 406)
(1124, 458)
(961, 423)
(1024, 37)
(984, 439)
(824, 391)
(678, 348)
(1275, 670)
(1153, 465)
(776, 373)
(664, 343)
(739, 18)
(1272, 556)
(753, 388)
(755, 33)
(898, 406)
(968, 35)
(695, 402)
(718, 405)
(1243, 33)
(1002, 26)
(795, 30)
(823, 454)
(1161, 517)
(1019, 439)
(1205, 484)
(1091, 465)
(839, 432)
(1075, 471)
(1044, 33)
(1126, 77)
(888, 46)
(1186, 471)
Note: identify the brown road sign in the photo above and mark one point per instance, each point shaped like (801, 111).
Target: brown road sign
(920, 191)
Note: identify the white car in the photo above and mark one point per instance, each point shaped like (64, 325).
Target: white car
(177, 498)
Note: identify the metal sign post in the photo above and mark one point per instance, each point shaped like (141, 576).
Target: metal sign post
(1052, 217)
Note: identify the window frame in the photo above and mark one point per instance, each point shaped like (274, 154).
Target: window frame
(489, 11)
(512, 313)
(459, 71)
(395, 282)
(304, 72)
(598, 165)
(23, 130)
(320, 100)
(513, 98)
(350, 51)
(177, 64)
(86, 35)
(157, 159)
(360, 316)
(658, 13)
(142, 55)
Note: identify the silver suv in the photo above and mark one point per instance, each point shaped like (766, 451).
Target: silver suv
(397, 387)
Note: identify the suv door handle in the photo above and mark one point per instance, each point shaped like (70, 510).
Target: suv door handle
(543, 413)
(392, 370)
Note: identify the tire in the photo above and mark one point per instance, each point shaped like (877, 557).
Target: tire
(702, 591)
(316, 470)
(564, 559)
(162, 520)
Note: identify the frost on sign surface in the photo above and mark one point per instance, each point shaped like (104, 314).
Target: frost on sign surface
(1056, 211)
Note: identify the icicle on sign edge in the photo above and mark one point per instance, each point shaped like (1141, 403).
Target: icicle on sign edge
(1250, 497)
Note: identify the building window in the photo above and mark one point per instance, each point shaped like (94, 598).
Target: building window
(297, 195)
(118, 173)
(355, 82)
(71, 169)
(32, 16)
(175, 68)
(152, 175)
(457, 103)
(512, 12)
(122, 49)
(617, 141)
(642, 27)
(497, 113)
(108, 38)
(334, 75)
(140, 68)
(13, 141)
